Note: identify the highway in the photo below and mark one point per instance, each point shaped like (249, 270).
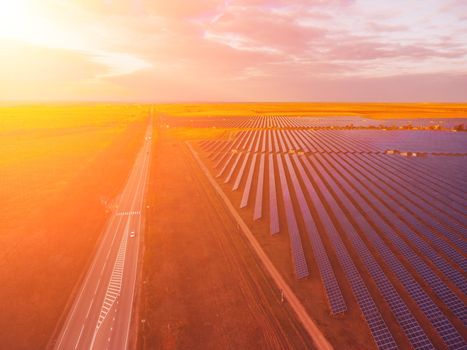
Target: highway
(100, 316)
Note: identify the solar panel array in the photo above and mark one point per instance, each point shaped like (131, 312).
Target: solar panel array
(402, 221)
(283, 121)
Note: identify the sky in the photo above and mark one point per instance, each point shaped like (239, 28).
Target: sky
(245, 50)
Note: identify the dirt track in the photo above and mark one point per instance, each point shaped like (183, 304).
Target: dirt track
(204, 287)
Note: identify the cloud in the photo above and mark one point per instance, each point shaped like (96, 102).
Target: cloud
(247, 49)
(37, 73)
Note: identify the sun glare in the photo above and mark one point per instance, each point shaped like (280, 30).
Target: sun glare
(19, 20)
(33, 22)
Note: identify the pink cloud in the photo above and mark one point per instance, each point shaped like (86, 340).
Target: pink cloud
(246, 50)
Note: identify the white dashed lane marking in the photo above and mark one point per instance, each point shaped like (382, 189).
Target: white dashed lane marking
(128, 213)
(115, 284)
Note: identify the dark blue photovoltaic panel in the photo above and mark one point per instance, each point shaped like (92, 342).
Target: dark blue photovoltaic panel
(301, 267)
(454, 275)
(287, 142)
(273, 212)
(258, 212)
(232, 169)
(403, 218)
(441, 196)
(443, 326)
(221, 172)
(454, 303)
(252, 141)
(418, 219)
(425, 211)
(269, 132)
(249, 181)
(240, 173)
(228, 151)
(404, 316)
(283, 148)
(334, 294)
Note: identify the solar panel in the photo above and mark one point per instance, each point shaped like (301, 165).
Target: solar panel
(247, 140)
(283, 148)
(252, 141)
(287, 142)
(336, 300)
(293, 140)
(276, 144)
(439, 196)
(221, 172)
(311, 139)
(418, 219)
(453, 174)
(302, 144)
(240, 173)
(436, 284)
(436, 175)
(259, 191)
(232, 169)
(404, 316)
(301, 267)
(425, 211)
(258, 140)
(233, 145)
(311, 145)
(269, 141)
(389, 208)
(273, 212)
(222, 146)
(443, 326)
(249, 181)
(263, 144)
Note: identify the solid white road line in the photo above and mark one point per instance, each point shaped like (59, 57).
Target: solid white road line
(79, 337)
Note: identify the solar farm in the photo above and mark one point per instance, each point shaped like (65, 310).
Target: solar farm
(367, 225)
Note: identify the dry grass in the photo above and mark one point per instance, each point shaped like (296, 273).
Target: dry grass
(58, 166)
(369, 110)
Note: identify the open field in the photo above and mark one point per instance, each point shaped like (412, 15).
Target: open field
(60, 167)
(368, 110)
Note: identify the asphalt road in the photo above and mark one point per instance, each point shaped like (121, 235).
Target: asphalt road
(100, 316)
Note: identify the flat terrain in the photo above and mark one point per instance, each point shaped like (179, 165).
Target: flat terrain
(60, 168)
(383, 252)
(364, 222)
(203, 287)
(370, 234)
(101, 314)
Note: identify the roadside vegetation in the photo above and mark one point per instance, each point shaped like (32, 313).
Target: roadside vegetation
(60, 169)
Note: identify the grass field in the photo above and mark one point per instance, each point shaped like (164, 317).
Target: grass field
(60, 166)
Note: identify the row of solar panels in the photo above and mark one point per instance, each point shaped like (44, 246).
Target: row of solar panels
(370, 186)
(296, 122)
(281, 121)
(411, 140)
(316, 141)
(265, 122)
(290, 141)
